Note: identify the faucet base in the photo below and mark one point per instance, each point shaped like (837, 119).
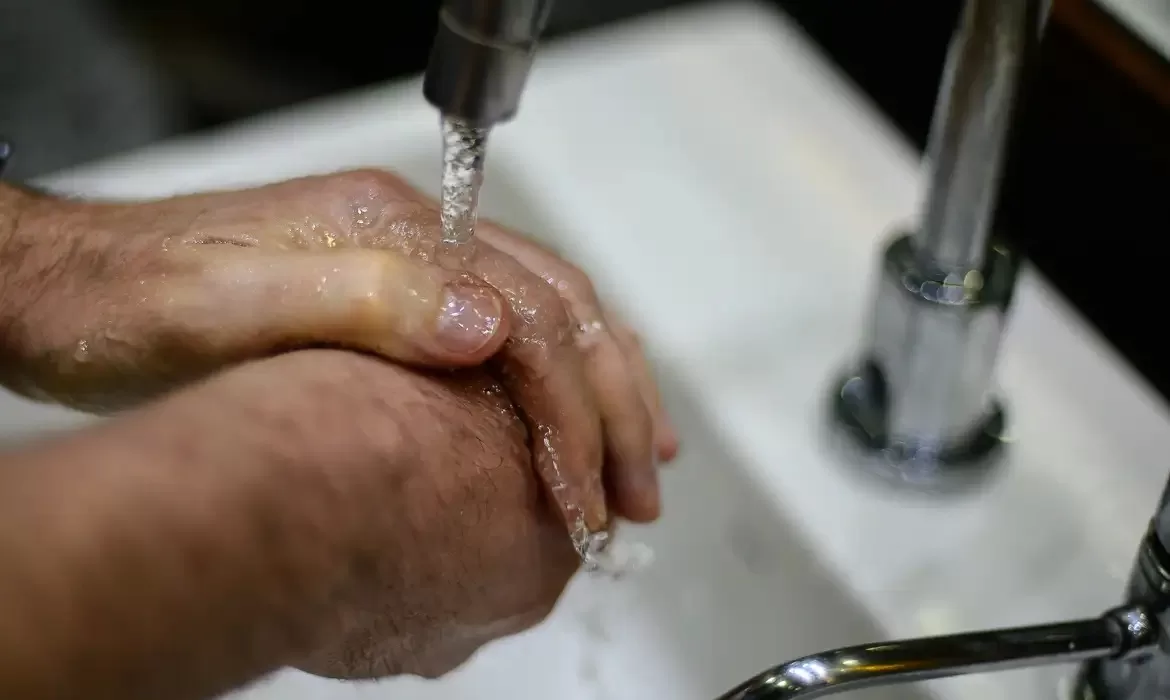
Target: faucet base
(919, 404)
(856, 414)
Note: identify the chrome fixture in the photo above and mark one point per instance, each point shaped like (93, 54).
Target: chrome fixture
(481, 57)
(919, 403)
(1126, 651)
(1118, 634)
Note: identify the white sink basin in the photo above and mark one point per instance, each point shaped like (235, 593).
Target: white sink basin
(734, 589)
(728, 191)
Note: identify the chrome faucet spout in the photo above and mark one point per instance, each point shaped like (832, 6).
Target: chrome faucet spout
(989, 54)
(1121, 632)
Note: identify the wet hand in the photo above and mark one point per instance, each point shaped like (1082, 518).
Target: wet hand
(110, 304)
(417, 527)
(578, 374)
(106, 305)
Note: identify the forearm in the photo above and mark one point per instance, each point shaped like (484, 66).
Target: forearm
(12, 202)
(156, 556)
(22, 272)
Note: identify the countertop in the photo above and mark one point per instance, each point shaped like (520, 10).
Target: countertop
(1148, 19)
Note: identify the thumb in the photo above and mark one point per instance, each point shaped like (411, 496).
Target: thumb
(374, 300)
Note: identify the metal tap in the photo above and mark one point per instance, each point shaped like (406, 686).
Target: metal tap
(481, 56)
(1144, 677)
(919, 399)
(1125, 652)
(1123, 633)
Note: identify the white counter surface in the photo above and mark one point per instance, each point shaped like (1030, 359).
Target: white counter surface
(730, 190)
(1148, 19)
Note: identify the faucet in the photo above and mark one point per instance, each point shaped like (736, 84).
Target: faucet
(918, 404)
(1123, 633)
(1125, 653)
(481, 56)
(918, 407)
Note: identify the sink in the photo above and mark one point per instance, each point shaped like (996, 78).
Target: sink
(729, 191)
(734, 587)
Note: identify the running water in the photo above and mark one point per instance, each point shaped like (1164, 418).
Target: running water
(464, 146)
(463, 153)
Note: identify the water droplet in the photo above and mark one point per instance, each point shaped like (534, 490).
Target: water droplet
(362, 218)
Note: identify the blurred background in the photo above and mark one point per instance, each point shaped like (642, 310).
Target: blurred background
(1087, 177)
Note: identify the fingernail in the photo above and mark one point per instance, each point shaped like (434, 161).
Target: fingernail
(469, 318)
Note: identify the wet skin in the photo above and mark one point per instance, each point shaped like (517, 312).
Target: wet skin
(114, 304)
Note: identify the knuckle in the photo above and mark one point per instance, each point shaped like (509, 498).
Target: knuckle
(372, 183)
(379, 279)
(579, 283)
(554, 315)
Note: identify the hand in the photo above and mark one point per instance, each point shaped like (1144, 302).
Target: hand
(109, 304)
(455, 543)
(321, 508)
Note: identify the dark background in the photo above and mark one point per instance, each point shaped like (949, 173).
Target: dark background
(1087, 174)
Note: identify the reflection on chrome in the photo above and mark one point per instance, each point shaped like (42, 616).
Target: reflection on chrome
(1119, 633)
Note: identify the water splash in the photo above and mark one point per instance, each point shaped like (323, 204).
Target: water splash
(598, 551)
(464, 147)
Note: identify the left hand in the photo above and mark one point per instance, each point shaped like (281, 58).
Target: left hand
(106, 305)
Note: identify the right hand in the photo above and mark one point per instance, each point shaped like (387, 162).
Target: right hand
(416, 492)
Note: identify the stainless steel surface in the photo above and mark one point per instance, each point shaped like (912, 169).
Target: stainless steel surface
(1146, 677)
(1118, 633)
(1160, 523)
(481, 56)
(972, 121)
(919, 399)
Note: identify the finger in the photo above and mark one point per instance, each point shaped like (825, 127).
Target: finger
(575, 287)
(549, 388)
(544, 373)
(250, 301)
(578, 292)
(542, 370)
(666, 441)
(630, 472)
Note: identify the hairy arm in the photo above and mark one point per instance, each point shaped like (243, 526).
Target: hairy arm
(12, 200)
(176, 552)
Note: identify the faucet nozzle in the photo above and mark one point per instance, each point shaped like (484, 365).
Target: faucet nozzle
(481, 57)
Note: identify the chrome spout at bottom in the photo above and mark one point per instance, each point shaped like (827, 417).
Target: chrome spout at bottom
(1118, 632)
